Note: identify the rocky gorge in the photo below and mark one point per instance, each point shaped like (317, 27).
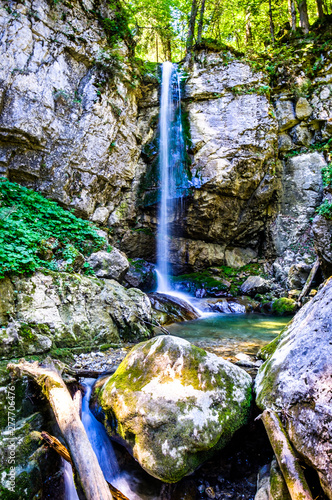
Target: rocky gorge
(79, 125)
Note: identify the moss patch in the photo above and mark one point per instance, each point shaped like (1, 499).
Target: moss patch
(284, 307)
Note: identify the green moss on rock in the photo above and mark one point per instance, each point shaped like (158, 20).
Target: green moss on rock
(172, 404)
(284, 306)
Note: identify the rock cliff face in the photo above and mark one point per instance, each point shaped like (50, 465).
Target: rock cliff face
(68, 106)
(231, 137)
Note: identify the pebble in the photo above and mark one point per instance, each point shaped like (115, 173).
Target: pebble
(101, 361)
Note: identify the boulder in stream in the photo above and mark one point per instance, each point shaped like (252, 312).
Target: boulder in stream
(296, 380)
(170, 309)
(172, 405)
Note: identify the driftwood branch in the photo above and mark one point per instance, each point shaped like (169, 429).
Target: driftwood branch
(287, 460)
(89, 474)
(310, 279)
(63, 452)
(54, 443)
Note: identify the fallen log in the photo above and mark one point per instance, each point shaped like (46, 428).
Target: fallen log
(63, 452)
(287, 460)
(78, 399)
(307, 284)
(88, 473)
(54, 443)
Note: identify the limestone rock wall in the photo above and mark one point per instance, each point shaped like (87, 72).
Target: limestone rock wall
(231, 138)
(303, 109)
(67, 106)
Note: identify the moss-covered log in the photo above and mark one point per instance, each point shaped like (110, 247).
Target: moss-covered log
(287, 460)
(89, 474)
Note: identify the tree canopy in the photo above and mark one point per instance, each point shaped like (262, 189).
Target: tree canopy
(169, 29)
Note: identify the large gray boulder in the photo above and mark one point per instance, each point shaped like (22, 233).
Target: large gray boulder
(255, 284)
(68, 310)
(172, 405)
(110, 265)
(296, 381)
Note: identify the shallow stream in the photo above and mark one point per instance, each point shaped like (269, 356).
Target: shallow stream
(229, 335)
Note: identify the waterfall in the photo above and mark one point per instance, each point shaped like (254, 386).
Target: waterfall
(174, 180)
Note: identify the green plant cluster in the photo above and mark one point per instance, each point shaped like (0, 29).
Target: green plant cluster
(325, 209)
(221, 278)
(327, 175)
(117, 29)
(27, 223)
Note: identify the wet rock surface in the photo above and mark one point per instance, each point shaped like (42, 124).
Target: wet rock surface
(168, 309)
(142, 275)
(296, 380)
(164, 388)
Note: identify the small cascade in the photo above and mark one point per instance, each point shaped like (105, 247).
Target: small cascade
(174, 180)
(70, 490)
(98, 437)
(104, 450)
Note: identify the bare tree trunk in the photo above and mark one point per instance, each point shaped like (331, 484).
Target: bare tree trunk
(157, 56)
(169, 49)
(292, 14)
(303, 11)
(307, 284)
(288, 463)
(271, 22)
(248, 38)
(191, 30)
(320, 8)
(89, 474)
(200, 23)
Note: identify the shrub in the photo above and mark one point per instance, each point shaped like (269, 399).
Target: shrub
(28, 220)
(284, 306)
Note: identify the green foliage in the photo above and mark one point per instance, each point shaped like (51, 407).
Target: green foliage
(325, 209)
(284, 306)
(327, 175)
(28, 221)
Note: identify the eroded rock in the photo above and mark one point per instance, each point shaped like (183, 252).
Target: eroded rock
(296, 380)
(66, 310)
(172, 404)
(109, 265)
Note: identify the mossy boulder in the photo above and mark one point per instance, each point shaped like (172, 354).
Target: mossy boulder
(172, 405)
(296, 381)
(284, 306)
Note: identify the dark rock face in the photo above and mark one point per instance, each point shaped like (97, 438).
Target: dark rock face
(142, 275)
(169, 309)
(296, 380)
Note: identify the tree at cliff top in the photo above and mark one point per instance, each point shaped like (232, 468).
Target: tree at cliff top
(168, 29)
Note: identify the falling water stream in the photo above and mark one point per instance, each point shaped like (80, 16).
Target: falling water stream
(129, 483)
(174, 180)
